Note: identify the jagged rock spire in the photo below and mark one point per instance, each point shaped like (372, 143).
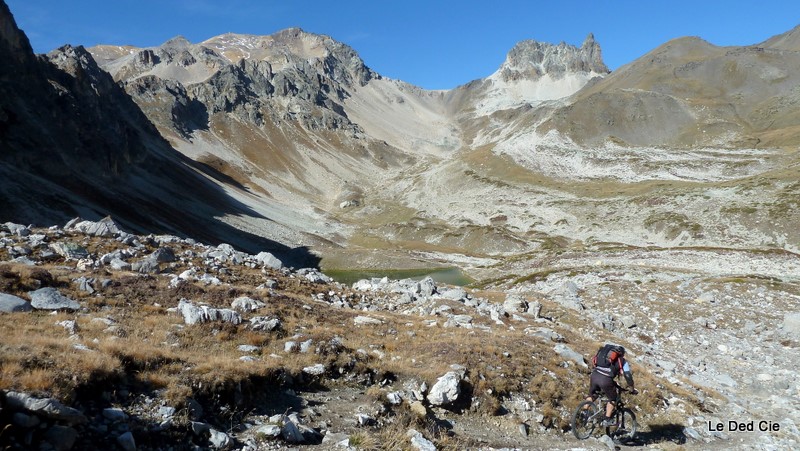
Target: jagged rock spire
(532, 59)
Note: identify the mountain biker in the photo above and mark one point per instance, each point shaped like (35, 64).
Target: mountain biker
(608, 363)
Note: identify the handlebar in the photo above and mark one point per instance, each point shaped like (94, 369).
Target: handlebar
(632, 391)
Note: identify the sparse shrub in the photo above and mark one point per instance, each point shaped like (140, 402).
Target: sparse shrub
(376, 393)
(363, 440)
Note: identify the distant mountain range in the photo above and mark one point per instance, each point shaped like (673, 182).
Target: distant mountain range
(290, 142)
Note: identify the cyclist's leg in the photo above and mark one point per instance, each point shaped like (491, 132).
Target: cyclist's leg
(607, 385)
(594, 388)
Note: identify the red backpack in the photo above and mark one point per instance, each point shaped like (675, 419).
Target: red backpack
(609, 356)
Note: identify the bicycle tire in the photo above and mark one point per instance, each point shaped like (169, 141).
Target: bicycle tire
(582, 426)
(626, 425)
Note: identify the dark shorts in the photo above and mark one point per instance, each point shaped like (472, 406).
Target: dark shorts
(598, 383)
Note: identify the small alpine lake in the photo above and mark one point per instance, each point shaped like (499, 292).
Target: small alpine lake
(450, 276)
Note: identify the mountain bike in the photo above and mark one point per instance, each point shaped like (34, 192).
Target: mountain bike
(590, 414)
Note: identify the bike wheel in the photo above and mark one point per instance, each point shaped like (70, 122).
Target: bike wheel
(583, 420)
(626, 425)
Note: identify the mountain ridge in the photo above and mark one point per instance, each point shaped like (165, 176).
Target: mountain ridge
(341, 159)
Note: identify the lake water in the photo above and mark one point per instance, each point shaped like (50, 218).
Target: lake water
(450, 276)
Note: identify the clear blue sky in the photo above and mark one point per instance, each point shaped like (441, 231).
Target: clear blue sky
(432, 44)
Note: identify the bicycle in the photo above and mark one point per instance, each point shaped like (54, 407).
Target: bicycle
(590, 414)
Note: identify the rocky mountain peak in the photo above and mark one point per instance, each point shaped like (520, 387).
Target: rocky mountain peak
(591, 49)
(335, 59)
(294, 48)
(73, 60)
(177, 43)
(531, 59)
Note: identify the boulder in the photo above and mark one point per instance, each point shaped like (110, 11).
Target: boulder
(454, 294)
(427, 287)
(418, 442)
(105, 227)
(290, 430)
(246, 304)
(264, 323)
(515, 304)
(535, 309)
(163, 255)
(270, 430)
(394, 398)
(193, 314)
(545, 334)
(17, 229)
(10, 303)
(85, 284)
(44, 407)
(147, 265)
(447, 388)
(268, 260)
(70, 251)
(220, 440)
(50, 299)
(569, 354)
(120, 265)
(333, 440)
(126, 441)
(363, 285)
(366, 320)
(314, 276)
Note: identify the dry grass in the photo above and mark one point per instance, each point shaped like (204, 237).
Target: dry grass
(137, 344)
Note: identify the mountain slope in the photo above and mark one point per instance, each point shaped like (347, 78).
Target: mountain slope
(487, 168)
(74, 143)
(689, 93)
(309, 147)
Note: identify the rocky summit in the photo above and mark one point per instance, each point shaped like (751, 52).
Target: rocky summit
(230, 240)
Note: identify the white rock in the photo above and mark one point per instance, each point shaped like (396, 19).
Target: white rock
(268, 260)
(246, 304)
(269, 430)
(569, 354)
(366, 320)
(446, 390)
(419, 442)
(315, 370)
(220, 440)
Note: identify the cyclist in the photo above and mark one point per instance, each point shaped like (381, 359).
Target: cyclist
(608, 363)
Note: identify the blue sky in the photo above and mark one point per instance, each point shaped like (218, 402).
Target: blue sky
(432, 44)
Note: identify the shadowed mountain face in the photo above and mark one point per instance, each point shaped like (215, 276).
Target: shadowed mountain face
(75, 144)
(291, 137)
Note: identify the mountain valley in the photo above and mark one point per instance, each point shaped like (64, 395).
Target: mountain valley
(654, 205)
